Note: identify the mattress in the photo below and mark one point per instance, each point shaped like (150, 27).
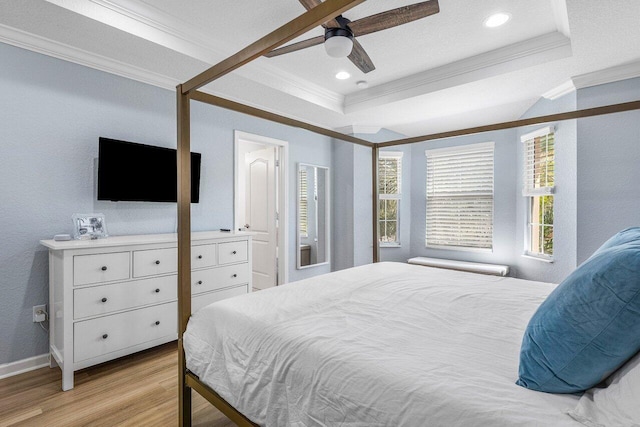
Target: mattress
(384, 344)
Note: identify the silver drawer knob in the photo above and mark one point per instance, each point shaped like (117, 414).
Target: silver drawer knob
(105, 336)
(157, 262)
(103, 300)
(157, 290)
(104, 268)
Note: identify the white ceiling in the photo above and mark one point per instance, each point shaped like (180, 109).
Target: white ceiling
(443, 72)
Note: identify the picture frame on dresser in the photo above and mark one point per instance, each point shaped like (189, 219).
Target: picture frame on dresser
(89, 226)
(112, 297)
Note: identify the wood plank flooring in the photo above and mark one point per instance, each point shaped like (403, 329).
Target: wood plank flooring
(138, 390)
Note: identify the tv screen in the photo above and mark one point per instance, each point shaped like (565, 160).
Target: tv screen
(141, 173)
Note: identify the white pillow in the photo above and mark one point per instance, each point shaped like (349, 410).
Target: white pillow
(616, 405)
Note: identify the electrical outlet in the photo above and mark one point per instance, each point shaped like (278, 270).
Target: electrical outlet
(39, 313)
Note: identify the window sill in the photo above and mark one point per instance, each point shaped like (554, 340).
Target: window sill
(543, 258)
(460, 248)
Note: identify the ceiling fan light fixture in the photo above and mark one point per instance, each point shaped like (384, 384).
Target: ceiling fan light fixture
(338, 42)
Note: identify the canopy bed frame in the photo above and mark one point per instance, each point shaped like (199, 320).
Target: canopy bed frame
(189, 91)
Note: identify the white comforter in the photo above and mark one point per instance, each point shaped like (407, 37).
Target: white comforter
(385, 344)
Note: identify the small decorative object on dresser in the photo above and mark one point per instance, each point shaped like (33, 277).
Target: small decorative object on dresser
(116, 296)
(89, 226)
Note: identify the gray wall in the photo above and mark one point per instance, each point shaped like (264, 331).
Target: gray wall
(55, 111)
(596, 194)
(52, 116)
(342, 207)
(608, 166)
(352, 236)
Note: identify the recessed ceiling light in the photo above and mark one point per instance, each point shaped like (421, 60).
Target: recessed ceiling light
(496, 20)
(343, 75)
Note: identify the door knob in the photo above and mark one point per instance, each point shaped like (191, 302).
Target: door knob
(246, 226)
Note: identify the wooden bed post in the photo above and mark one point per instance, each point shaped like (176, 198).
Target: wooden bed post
(184, 250)
(375, 203)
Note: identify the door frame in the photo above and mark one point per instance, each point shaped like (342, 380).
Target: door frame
(282, 148)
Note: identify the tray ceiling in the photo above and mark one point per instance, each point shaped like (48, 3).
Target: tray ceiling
(441, 72)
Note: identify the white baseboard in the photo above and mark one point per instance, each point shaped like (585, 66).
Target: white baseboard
(24, 365)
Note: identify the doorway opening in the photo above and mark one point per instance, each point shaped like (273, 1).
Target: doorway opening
(260, 204)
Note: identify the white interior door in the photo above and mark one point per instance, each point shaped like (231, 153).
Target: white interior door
(260, 214)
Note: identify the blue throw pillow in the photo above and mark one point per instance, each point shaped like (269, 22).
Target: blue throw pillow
(629, 235)
(587, 327)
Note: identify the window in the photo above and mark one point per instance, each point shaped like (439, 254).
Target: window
(303, 202)
(390, 189)
(460, 197)
(539, 182)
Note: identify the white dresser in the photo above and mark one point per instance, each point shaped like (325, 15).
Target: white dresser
(115, 296)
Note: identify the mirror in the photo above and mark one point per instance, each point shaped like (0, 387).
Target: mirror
(313, 215)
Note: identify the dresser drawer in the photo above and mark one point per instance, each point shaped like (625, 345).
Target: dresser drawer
(202, 300)
(232, 252)
(100, 268)
(121, 296)
(218, 278)
(106, 334)
(155, 261)
(203, 256)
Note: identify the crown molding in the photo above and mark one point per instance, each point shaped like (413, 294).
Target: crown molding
(359, 129)
(146, 21)
(626, 71)
(541, 49)
(560, 90)
(608, 75)
(68, 53)
(38, 44)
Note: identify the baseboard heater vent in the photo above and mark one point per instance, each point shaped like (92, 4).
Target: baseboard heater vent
(473, 267)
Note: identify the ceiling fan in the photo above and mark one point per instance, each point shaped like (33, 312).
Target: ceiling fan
(340, 33)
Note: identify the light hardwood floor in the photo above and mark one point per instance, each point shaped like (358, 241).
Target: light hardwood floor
(137, 390)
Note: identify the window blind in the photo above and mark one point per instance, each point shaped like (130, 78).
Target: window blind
(460, 197)
(303, 202)
(539, 162)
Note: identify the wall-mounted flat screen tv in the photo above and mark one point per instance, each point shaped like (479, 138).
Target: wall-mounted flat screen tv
(134, 172)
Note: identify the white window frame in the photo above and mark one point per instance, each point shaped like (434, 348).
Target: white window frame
(462, 150)
(530, 193)
(398, 196)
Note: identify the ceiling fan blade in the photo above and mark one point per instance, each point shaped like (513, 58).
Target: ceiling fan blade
(296, 46)
(360, 58)
(310, 4)
(394, 17)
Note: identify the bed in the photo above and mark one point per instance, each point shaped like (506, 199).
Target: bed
(377, 345)
(475, 358)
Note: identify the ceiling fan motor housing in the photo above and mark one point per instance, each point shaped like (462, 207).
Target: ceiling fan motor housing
(333, 32)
